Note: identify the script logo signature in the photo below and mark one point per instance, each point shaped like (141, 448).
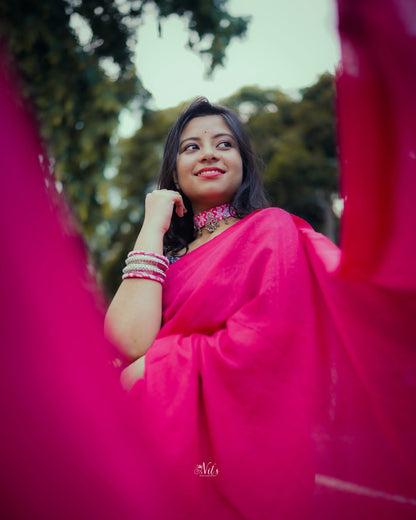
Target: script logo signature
(206, 469)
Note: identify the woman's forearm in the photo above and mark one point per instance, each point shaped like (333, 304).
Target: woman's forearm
(134, 317)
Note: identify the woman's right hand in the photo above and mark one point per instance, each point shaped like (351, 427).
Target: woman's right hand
(159, 205)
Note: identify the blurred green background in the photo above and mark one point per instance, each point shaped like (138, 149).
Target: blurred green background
(78, 89)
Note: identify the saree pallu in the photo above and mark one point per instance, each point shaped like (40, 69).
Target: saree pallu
(291, 379)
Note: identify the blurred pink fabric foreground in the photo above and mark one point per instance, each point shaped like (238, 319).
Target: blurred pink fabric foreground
(73, 446)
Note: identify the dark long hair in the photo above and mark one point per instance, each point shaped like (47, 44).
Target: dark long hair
(250, 195)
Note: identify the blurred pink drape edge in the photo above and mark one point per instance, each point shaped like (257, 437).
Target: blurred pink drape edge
(376, 131)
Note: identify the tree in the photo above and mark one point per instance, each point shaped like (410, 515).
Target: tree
(75, 62)
(301, 173)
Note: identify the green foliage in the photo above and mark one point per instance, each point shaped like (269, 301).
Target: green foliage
(75, 100)
(302, 174)
(211, 27)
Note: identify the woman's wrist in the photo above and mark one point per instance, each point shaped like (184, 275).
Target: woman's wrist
(150, 238)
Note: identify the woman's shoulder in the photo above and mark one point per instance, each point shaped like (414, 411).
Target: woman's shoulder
(270, 213)
(284, 224)
(278, 218)
(266, 230)
(276, 228)
(272, 218)
(272, 225)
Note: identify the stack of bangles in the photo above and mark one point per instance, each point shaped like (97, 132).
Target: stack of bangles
(141, 264)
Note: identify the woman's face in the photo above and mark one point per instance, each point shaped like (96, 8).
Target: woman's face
(209, 168)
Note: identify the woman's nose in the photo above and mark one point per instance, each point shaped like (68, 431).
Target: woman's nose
(208, 154)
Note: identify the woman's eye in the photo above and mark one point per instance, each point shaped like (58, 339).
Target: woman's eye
(191, 146)
(224, 144)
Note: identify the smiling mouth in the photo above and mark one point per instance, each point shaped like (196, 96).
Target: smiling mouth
(210, 173)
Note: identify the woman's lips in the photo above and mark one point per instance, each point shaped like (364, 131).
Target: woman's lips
(210, 173)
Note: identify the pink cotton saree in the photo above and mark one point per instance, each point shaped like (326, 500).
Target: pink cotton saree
(283, 381)
(237, 336)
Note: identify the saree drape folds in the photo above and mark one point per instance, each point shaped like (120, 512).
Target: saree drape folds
(282, 384)
(237, 337)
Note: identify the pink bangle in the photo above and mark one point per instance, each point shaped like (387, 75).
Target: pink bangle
(145, 275)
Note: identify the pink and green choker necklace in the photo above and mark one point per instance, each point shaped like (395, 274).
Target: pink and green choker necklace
(210, 218)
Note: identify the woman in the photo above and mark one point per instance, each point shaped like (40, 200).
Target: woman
(208, 163)
(224, 395)
(217, 368)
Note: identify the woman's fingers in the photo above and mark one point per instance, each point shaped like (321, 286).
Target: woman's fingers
(180, 206)
(159, 206)
(160, 198)
(130, 375)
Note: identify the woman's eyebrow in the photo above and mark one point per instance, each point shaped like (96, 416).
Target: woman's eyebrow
(189, 139)
(223, 134)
